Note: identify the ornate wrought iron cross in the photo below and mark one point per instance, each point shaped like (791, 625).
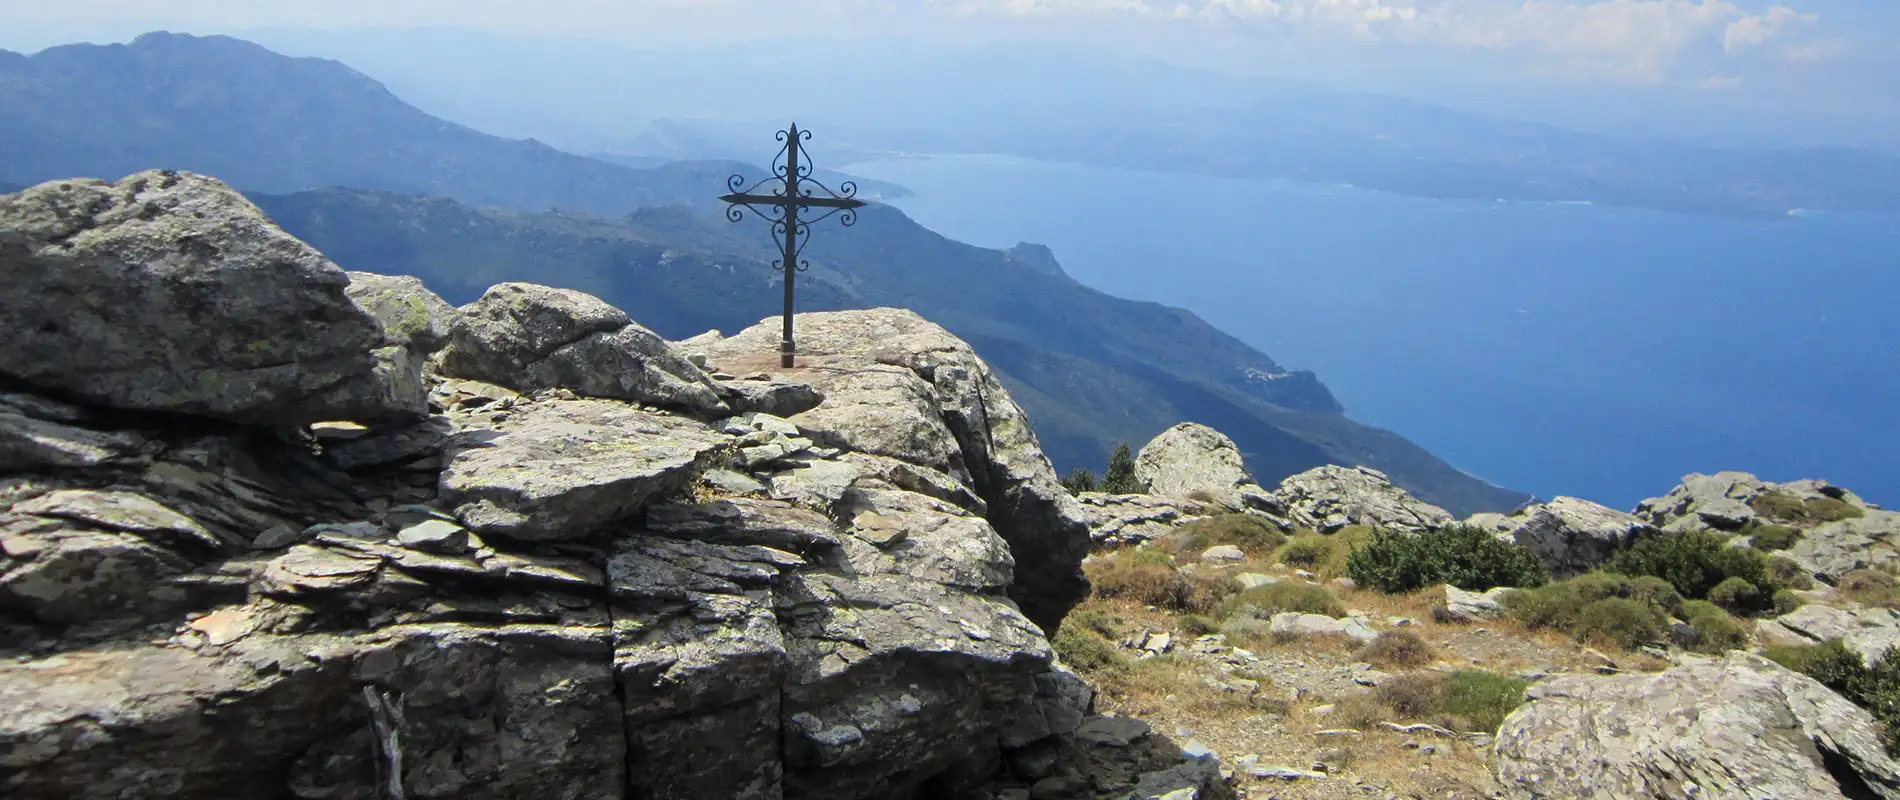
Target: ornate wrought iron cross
(791, 169)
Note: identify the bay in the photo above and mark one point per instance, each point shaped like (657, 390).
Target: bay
(1554, 348)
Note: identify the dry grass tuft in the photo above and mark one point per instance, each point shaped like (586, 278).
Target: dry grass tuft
(1398, 648)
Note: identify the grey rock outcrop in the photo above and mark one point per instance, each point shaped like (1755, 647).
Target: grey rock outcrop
(1833, 549)
(898, 386)
(1329, 498)
(110, 287)
(1190, 458)
(1116, 520)
(1740, 727)
(1870, 632)
(1569, 535)
(536, 594)
(524, 336)
(1722, 501)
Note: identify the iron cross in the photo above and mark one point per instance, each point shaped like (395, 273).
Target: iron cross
(792, 170)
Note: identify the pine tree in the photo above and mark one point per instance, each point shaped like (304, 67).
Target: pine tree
(1079, 481)
(1120, 477)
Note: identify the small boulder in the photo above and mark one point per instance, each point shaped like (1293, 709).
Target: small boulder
(1223, 553)
(1329, 498)
(526, 336)
(1573, 536)
(1190, 459)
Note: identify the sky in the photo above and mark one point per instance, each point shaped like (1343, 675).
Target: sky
(1822, 58)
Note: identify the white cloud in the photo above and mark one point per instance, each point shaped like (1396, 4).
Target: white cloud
(1755, 29)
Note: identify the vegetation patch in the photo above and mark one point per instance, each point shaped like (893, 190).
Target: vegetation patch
(1254, 535)
(1325, 555)
(1695, 563)
(1086, 649)
(1715, 630)
(1779, 505)
(1769, 537)
(1119, 478)
(1146, 576)
(1464, 700)
(1868, 587)
(1461, 555)
(1398, 648)
(1279, 598)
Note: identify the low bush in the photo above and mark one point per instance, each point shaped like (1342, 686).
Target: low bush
(1480, 700)
(1737, 596)
(1618, 621)
(1782, 506)
(1278, 598)
(1398, 648)
(1307, 551)
(1868, 586)
(1715, 630)
(1464, 556)
(1325, 555)
(1560, 605)
(1252, 534)
(1783, 571)
(1143, 575)
(1085, 649)
(1197, 625)
(1785, 601)
(1695, 563)
(1467, 700)
(1769, 537)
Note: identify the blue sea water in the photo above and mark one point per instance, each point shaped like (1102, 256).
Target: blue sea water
(1554, 348)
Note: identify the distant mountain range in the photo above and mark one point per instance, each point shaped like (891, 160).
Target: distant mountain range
(1069, 103)
(464, 210)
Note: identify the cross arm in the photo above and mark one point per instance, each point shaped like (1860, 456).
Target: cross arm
(800, 201)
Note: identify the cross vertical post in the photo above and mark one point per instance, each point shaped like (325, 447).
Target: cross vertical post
(795, 192)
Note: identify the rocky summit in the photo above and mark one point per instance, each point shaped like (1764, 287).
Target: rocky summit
(271, 529)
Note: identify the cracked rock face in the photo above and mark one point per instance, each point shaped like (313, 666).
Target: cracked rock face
(1741, 727)
(898, 386)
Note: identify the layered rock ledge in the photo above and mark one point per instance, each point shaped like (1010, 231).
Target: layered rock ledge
(381, 547)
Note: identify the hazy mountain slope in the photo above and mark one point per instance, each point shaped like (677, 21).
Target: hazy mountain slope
(1073, 103)
(264, 122)
(1092, 369)
(1097, 369)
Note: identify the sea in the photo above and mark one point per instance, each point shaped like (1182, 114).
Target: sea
(1554, 348)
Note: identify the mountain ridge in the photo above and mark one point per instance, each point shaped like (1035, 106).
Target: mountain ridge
(463, 210)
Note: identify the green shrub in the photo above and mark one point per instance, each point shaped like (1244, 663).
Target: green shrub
(1783, 571)
(1737, 596)
(1559, 605)
(1468, 700)
(1095, 620)
(1304, 598)
(1618, 621)
(1656, 593)
(1694, 562)
(1464, 556)
(1400, 648)
(1079, 481)
(1254, 535)
(1084, 649)
(1481, 700)
(1769, 537)
(1786, 601)
(1716, 631)
(1120, 477)
(1782, 506)
(1868, 586)
(1830, 663)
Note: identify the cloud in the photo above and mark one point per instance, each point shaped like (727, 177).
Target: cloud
(1753, 30)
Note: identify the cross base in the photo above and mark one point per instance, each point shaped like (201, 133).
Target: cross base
(786, 351)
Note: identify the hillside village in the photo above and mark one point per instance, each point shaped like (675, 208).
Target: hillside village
(274, 529)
